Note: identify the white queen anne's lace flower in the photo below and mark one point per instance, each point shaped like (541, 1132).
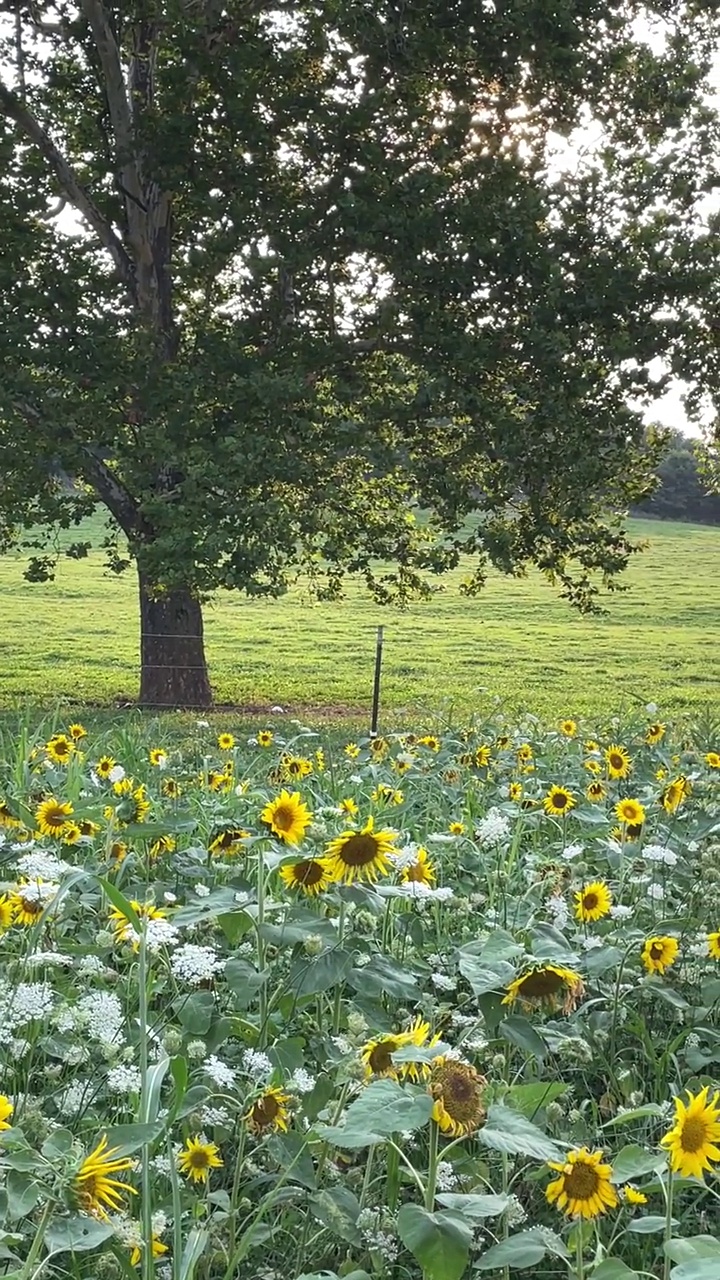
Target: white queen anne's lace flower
(194, 964)
(124, 1079)
(493, 829)
(219, 1072)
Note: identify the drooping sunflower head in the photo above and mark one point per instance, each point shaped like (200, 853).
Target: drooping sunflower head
(596, 792)
(7, 817)
(360, 855)
(655, 733)
(659, 952)
(458, 1092)
(59, 748)
(30, 899)
(583, 1188)
(593, 901)
(51, 816)
(630, 812)
(163, 844)
(673, 795)
(617, 761)
(94, 1188)
(269, 1112)
(550, 986)
(310, 876)
(377, 1054)
(197, 1158)
(558, 801)
(287, 817)
(228, 840)
(693, 1140)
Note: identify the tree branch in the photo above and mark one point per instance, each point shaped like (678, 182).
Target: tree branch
(114, 85)
(14, 109)
(113, 493)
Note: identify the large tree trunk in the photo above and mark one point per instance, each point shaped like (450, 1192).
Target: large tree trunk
(172, 652)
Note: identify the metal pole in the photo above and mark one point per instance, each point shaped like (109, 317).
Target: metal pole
(376, 683)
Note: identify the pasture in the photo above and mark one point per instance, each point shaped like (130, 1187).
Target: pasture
(76, 639)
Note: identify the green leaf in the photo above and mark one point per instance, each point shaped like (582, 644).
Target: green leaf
(130, 1137)
(337, 1208)
(482, 977)
(633, 1162)
(58, 1144)
(523, 1250)
(292, 1153)
(474, 1208)
(76, 1234)
(244, 980)
(235, 924)
(195, 1011)
(614, 1269)
(507, 1131)
(685, 1250)
(195, 1246)
(22, 1195)
(440, 1242)
(638, 1113)
(383, 976)
(531, 1098)
(697, 1269)
(121, 903)
(603, 960)
(500, 945)
(150, 1100)
(648, 1224)
(547, 943)
(383, 1108)
(309, 977)
(520, 1032)
(672, 997)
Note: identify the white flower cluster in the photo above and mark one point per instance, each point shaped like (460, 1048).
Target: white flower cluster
(619, 912)
(40, 865)
(38, 891)
(158, 934)
(405, 857)
(124, 1079)
(572, 851)
(23, 1003)
(658, 853)
(301, 1081)
(492, 830)
(257, 1064)
(557, 908)
(219, 1072)
(443, 982)
(193, 964)
(515, 1212)
(52, 959)
(446, 1176)
(102, 1017)
(656, 892)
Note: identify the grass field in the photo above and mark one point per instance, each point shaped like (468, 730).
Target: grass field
(77, 639)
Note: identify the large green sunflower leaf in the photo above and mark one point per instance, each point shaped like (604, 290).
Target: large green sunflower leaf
(439, 1241)
(508, 1131)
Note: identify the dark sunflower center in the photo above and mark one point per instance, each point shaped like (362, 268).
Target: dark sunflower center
(308, 872)
(283, 817)
(590, 901)
(31, 906)
(582, 1183)
(657, 951)
(380, 1059)
(459, 1087)
(543, 982)
(634, 829)
(359, 850)
(55, 818)
(617, 762)
(560, 800)
(694, 1134)
(198, 1158)
(416, 872)
(265, 1111)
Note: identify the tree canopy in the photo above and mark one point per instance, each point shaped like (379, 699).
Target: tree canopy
(323, 275)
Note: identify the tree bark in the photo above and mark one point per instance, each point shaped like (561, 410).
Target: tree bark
(172, 650)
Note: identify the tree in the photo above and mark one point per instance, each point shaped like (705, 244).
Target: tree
(682, 492)
(318, 277)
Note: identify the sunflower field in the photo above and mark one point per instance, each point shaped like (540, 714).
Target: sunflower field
(425, 1005)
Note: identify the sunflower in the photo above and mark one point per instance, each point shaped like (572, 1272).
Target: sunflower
(163, 844)
(502, 742)
(360, 855)
(692, 1141)
(121, 925)
(548, 985)
(59, 748)
(30, 899)
(617, 761)
(158, 1249)
(631, 1195)
(421, 871)
(457, 1089)
(219, 779)
(320, 760)
(226, 741)
(592, 765)
(584, 1189)
(592, 745)
(379, 748)
(157, 757)
(118, 851)
(712, 759)
(377, 1054)
(7, 912)
(309, 876)
(655, 733)
(457, 828)
(515, 791)
(659, 953)
(295, 767)
(524, 752)
(7, 817)
(481, 758)
(674, 793)
(77, 732)
(713, 941)
(352, 750)
(71, 833)
(269, 1111)
(287, 817)
(197, 1158)
(104, 767)
(51, 816)
(429, 740)
(596, 792)
(264, 738)
(384, 794)
(568, 728)
(171, 788)
(6, 1110)
(630, 812)
(558, 801)
(94, 1189)
(228, 840)
(134, 805)
(593, 901)
(348, 806)
(452, 777)
(88, 827)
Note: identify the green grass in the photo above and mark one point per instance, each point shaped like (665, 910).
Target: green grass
(77, 639)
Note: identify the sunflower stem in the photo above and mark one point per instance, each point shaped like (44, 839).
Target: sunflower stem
(262, 997)
(580, 1252)
(432, 1166)
(392, 1185)
(368, 1175)
(235, 1192)
(148, 1261)
(36, 1245)
(337, 998)
(667, 1264)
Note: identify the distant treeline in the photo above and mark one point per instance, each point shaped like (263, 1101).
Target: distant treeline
(683, 490)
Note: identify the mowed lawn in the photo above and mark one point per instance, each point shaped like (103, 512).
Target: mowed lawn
(77, 639)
